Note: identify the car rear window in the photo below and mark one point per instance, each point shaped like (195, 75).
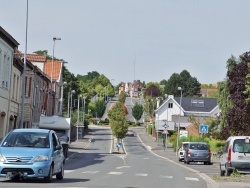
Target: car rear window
(241, 146)
(199, 146)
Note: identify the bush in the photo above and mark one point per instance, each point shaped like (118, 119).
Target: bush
(150, 127)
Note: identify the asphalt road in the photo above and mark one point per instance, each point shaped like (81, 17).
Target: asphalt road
(90, 164)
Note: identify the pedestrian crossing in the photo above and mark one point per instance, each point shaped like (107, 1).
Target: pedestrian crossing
(117, 173)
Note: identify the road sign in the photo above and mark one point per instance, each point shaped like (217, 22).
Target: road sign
(165, 131)
(203, 129)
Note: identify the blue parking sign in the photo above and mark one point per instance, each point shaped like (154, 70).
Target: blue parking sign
(203, 129)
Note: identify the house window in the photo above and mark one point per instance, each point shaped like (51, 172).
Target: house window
(17, 88)
(30, 82)
(170, 105)
(13, 86)
(197, 103)
(26, 79)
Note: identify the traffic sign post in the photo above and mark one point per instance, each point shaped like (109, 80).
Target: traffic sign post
(203, 130)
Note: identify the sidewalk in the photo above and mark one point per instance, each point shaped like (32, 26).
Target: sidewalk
(169, 154)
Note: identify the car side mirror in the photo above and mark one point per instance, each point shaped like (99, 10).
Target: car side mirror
(59, 147)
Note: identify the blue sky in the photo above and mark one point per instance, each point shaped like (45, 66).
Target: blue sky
(148, 40)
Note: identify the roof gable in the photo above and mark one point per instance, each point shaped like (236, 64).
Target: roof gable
(57, 69)
(36, 57)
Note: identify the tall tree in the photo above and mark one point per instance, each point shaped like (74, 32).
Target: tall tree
(117, 116)
(238, 118)
(190, 85)
(137, 111)
(122, 97)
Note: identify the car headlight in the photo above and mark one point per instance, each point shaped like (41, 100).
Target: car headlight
(2, 158)
(41, 158)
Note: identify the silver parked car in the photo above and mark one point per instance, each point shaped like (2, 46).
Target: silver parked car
(235, 155)
(181, 151)
(197, 152)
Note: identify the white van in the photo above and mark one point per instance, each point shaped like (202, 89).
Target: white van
(235, 155)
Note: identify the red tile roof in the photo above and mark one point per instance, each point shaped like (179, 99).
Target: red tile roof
(57, 69)
(36, 57)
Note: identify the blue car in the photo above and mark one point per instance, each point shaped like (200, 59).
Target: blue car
(31, 153)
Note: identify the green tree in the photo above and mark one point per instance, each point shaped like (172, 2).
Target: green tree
(190, 85)
(117, 117)
(137, 111)
(97, 107)
(122, 97)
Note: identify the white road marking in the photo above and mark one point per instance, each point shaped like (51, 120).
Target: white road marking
(115, 173)
(120, 167)
(169, 177)
(141, 174)
(191, 179)
(68, 171)
(149, 147)
(90, 172)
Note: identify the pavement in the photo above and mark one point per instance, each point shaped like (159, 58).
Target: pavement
(150, 143)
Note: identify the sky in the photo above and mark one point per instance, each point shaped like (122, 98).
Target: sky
(126, 40)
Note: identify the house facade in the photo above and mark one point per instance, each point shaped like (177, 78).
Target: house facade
(175, 111)
(8, 45)
(15, 99)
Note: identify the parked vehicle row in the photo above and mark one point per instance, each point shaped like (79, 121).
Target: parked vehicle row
(195, 152)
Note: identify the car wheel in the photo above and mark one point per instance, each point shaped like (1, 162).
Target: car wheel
(60, 175)
(227, 173)
(222, 172)
(180, 159)
(188, 162)
(48, 178)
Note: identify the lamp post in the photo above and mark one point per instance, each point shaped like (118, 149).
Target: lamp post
(52, 71)
(79, 96)
(24, 67)
(61, 104)
(178, 133)
(71, 93)
(83, 112)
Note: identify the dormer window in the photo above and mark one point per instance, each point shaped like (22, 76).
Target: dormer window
(197, 103)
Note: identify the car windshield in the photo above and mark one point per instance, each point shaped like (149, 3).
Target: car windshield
(27, 139)
(199, 146)
(241, 146)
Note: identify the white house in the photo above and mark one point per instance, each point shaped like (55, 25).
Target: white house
(171, 114)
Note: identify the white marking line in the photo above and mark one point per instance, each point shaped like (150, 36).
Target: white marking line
(90, 172)
(191, 179)
(68, 171)
(149, 147)
(120, 167)
(169, 177)
(140, 174)
(115, 173)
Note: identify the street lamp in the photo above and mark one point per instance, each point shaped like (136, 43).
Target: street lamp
(71, 93)
(52, 70)
(79, 96)
(24, 68)
(178, 133)
(61, 104)
(83, 112)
